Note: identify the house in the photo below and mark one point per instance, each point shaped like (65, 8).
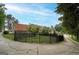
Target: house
(9, 25)
(12, 25)
(21, 27)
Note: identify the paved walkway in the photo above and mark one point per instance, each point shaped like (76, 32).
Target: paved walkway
(8, 47)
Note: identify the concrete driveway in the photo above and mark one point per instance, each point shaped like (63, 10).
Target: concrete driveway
(8, 47)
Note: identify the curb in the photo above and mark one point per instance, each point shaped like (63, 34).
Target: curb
(75, 42)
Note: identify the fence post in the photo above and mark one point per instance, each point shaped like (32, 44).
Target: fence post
(39, 38)
(29, 36)
(49, 38)
(30, 33)
(14, 35)
(25, 35)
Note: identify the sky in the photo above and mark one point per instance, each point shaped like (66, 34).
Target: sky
(34, 13)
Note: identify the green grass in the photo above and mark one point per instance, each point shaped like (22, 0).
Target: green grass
(74, 38)
(41, 39)
(9, 36)
(34, 39)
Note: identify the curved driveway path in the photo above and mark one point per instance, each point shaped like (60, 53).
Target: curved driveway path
(8, 47)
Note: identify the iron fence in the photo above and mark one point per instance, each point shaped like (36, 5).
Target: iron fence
(31, 37)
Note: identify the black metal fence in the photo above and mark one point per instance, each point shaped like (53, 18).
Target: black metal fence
(31, 37)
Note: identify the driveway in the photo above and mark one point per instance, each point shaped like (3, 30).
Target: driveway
(8, 47)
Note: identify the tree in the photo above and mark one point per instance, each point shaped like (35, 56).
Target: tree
(46, 30)
(16, 21)
(10, 17)
(34, 28)
(2, 15)
(59, 28)
(70, 19)
(39, 29)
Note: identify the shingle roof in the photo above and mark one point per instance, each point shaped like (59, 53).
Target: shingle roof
(21, 27)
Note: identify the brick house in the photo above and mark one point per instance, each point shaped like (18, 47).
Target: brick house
(21, 27)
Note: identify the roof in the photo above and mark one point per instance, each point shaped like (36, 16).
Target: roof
(21, 27)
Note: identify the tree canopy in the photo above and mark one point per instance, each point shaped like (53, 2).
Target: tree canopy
(34, 28)
(70, 18)
(10, 17)
(2, 15)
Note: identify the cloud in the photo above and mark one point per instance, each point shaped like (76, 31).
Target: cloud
(13, 8)
(41, 11)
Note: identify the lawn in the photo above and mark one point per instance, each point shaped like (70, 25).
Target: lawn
(9, 36)
(33, 39)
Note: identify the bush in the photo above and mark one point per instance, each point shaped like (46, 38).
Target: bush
(60, 38)
(6, 32)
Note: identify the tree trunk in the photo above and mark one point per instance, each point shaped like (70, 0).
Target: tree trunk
(77, 36)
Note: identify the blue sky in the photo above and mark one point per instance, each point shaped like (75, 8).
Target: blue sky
(34, 13)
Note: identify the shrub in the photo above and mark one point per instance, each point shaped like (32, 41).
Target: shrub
(60, 38)
(6, 32)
